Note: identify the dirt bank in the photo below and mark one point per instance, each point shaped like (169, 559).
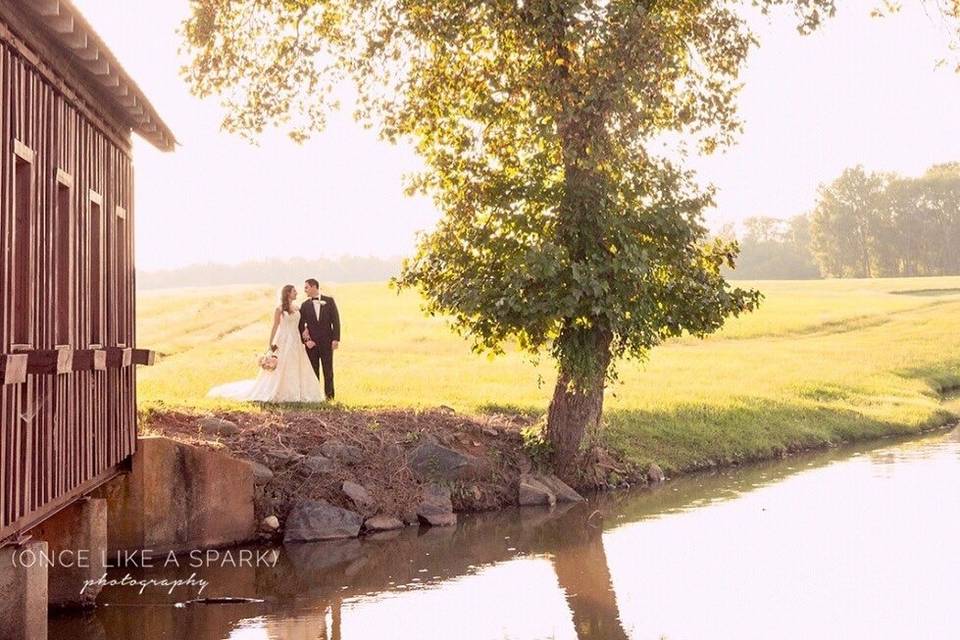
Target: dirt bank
(312, 453)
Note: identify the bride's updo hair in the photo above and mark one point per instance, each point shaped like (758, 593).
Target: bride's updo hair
(285, 297)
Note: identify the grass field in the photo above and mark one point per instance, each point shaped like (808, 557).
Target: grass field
(820, 362)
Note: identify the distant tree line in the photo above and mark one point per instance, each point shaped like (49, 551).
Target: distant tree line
(775, 249)
(864, 225)
(273, 271)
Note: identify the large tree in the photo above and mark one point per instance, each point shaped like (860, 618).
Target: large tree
(565, 227)
(849, 225)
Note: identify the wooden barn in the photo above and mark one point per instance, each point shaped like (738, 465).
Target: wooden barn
(67, 402)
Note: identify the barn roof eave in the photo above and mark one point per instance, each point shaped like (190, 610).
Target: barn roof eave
(71, 32)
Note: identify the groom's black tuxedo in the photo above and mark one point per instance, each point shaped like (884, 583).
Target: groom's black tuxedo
(324, 330)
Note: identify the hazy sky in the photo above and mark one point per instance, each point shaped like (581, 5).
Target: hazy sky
(859, 91)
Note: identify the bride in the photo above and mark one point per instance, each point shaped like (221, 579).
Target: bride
(293, 379)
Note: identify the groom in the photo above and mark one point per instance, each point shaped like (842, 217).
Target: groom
(320, 329)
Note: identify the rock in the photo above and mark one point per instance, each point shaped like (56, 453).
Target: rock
(493, 432)
(544, 490)
(311, 520)
(655, 474)
(532, 492)
(437, 496)
(358, 494)
(318, 464)
(382, 523)
(270, 523)
(261, 472)
(560, 489)
(218, 427)
(436, 461)
(411, 518)
(345, 453)
(436, 509)
(282, 456)
(438, 519)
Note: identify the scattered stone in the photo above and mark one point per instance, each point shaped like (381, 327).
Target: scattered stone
(382, 523)
(270, 523)
(282, 456)
(544, 490)
(358, 494)
(655, 474)
(438, 496)
(560, 489)
(345, 453)
(532, 492)
(261, 472)
(318, 464)
(436, 509)
(218, 427)
(438, 519)
(436, 461)
(493, 432)
(311, 520)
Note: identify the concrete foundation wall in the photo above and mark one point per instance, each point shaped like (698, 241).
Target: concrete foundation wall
(177, 498)
(23, 591)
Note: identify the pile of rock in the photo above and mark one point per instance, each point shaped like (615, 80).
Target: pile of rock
(437, 466)
(314, 520)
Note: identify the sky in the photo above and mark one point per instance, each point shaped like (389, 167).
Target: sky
(859, 91)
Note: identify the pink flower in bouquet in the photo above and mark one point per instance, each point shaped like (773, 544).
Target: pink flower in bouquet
(269, 362)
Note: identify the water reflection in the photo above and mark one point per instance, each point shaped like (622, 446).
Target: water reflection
(746, 550)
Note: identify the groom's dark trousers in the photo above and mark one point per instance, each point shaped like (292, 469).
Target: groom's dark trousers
(324, 330)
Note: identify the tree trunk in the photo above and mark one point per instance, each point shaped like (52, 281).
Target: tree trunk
(577, 405)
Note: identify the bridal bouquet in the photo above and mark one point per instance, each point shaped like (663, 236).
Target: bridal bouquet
(268, 361)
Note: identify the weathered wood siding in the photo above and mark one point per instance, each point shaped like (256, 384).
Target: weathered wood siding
(66, 228)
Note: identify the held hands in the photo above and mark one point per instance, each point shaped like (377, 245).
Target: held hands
(310, 344)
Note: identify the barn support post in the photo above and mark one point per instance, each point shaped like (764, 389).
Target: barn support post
(23, 591)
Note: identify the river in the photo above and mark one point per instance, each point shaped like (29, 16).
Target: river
(849, 543)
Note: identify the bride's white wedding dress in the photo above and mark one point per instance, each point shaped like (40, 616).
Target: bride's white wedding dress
(292, 381)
